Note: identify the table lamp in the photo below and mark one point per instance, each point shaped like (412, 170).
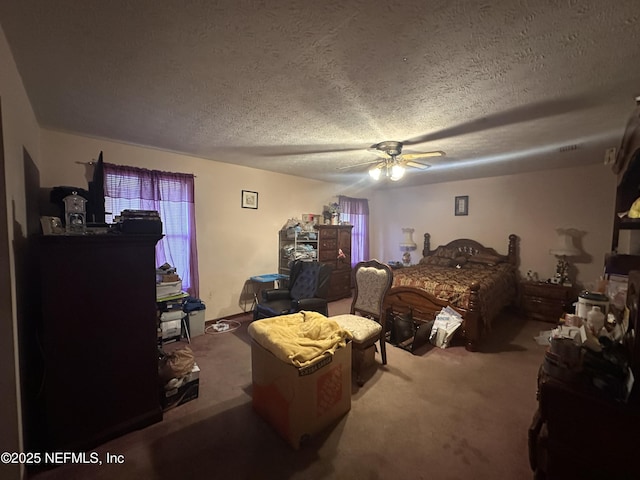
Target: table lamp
(407, 246)
(564, 248)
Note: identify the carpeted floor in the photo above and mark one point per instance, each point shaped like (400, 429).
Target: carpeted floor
(441, 414)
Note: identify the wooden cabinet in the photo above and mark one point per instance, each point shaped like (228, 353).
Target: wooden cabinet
(579, 432)
(546, 301)
(334, 248)
(98, 338)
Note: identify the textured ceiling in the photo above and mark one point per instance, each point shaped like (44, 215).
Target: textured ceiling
(500, 86)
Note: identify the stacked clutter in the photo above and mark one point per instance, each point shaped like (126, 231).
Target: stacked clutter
(169, 296)
(168, 283)
(590, 351)
(179, 377)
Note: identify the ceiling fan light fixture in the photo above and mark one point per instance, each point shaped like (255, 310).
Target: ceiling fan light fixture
(375, 172)
(397, 172)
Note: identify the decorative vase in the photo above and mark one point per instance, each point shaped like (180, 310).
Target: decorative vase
(335, 218)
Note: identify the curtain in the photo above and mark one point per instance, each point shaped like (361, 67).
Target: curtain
(172, 196)
(356, 212)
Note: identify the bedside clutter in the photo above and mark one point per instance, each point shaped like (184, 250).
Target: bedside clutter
(588, 419)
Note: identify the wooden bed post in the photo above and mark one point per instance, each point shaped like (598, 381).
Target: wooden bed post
(513, 254)
(426, 249)
(473, 327)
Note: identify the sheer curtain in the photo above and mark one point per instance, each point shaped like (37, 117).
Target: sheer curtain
(356, 212)
(172, 196)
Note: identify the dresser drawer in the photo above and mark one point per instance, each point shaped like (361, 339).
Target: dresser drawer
(327, 256)
(543, 309)
(546, 290)
(328, 233)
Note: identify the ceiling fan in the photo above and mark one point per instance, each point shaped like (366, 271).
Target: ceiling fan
(394, 162)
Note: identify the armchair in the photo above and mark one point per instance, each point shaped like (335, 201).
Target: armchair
(308, 288)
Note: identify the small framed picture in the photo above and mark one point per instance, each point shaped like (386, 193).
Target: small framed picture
(249, 199)
(461, 206)
(311, 218)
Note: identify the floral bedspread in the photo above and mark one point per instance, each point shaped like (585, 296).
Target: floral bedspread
(497, 284)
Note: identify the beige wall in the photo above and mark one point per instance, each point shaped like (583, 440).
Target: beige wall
(531, 205)
(234, 243)
(20, 130)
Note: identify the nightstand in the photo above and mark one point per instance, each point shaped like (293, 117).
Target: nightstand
(545, 301)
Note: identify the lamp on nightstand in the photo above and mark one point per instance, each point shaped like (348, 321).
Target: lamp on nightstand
(564, 248)
(407, 246)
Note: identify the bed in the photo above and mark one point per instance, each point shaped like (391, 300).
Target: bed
(475, 280)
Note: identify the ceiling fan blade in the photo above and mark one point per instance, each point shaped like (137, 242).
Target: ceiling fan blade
(416, 156)
(379, 153)
(420, 166)
(346, 167)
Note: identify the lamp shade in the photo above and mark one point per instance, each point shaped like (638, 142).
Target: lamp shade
(564, 245)
(407, 243)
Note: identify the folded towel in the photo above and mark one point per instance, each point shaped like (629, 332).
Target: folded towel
(299, 338)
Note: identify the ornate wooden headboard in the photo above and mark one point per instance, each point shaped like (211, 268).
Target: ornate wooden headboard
(471, 247)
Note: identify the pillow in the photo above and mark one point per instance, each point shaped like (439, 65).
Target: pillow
(486, 259)
(442, 261)
(446, 252)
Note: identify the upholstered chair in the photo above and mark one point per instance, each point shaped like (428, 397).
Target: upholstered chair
(366, 321)
(308, 289)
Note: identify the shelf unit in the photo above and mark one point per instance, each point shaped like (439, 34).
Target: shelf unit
(300, 242)
(329, 241)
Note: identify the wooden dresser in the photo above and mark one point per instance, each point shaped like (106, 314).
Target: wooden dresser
(333, 239)
(98, 337)
(545, 301)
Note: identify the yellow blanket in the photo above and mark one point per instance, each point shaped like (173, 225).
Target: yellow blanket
(299, 338)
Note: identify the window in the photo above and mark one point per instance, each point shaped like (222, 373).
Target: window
(172, 196)
(356, 212)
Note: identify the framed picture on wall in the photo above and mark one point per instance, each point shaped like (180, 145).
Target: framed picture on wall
(249, 199)
(461, 205)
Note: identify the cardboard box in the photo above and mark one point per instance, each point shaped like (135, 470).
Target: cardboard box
(188, 390)
(300, 402)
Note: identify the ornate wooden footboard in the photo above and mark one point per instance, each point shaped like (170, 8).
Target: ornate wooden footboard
(425, 306)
